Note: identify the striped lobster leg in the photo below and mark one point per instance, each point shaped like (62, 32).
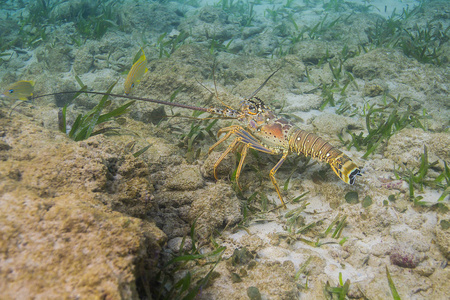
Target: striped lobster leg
(272, 177)
(249, 142)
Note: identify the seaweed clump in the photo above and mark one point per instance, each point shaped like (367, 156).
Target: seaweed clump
(84, 125)
(422, 43)
(95, 21)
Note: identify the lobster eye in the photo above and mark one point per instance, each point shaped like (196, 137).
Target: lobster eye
(252, 109)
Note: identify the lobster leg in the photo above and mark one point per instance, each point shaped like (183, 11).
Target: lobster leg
(241, 163)
(229, 130)
(274, 169)
(244, 137)
(230, 147)
(272, 176)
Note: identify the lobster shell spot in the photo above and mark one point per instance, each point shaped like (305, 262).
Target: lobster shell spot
(274, 129)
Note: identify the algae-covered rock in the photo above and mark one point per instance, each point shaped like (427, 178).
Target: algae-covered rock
(62, 54)
(312, 51)
(211, 207)
(413, 238)
(271, 280)
(210, 14)
(443, 240)
(84, 60)
(333, 124)
(253, 293)
(150, 16)
(211, 20)
(352, 197)
(67, 247)
(379, 63)
(185, 177)
(404, 256)
(216, 207)
(57, 239)
(241, 257)
(226, 166)
(4, 146)
(407, 146)
(305, 102)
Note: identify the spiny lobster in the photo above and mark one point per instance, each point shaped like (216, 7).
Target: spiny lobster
(261, 129)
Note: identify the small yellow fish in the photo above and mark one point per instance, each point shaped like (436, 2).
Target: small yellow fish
(137, 71)
(20, 90)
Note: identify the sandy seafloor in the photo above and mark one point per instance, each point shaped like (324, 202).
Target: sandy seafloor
(88, 220)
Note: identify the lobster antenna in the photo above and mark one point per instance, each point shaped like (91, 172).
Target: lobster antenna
(198, 81)
(263, 84)
(191, 107)
(215, 88)
(198, 118)
(15, 106)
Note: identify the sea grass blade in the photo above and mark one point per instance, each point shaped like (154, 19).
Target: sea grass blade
(80, 83)
(114, 113)
(394, 292)
(75, 126)
(99, 109)
(62, 123)
(195, 256)
(138, 153)
(105, 130)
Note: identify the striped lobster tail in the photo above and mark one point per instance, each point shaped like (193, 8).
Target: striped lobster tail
(309, 144)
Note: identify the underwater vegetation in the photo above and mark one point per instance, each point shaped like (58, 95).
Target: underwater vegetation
(91, 20)
(84, 125)
(383, 121)
(392, 287)
(198, 128)
(339, 292)
(168, 45)
(242, 10)
(94, 21)
(422, 43)
(417, 179)
(202, 265)
(295, 36)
